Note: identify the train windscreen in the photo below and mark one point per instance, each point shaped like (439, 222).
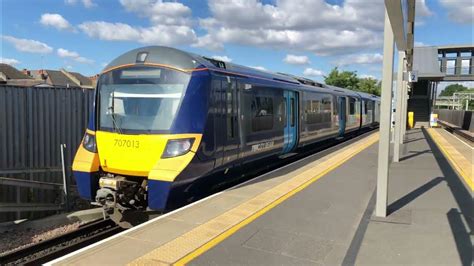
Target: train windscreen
(141, 99)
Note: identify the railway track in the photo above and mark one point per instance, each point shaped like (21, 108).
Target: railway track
(56, 247)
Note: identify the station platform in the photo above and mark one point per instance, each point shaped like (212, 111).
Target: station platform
(318, 211)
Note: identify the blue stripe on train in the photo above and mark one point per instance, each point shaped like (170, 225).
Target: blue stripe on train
(158, 192)
(87, 184)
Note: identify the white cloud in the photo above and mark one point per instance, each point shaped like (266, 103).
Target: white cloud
(261, 68)
(296, 60)
(362, 59)
(74, 56)
(336, 29)
(222, 58)
(29, 46)
(65, 53)
(88, 3)
(85, 3)
(56, 21)
(159, 12)
(311, 72)
(110, 31)
(418, 44)
(158, 34)
(170, 24)
(422, 9)
(460, 11)
(365, 76)
(9, 61)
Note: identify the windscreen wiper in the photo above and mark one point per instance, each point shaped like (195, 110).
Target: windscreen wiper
(112, 112)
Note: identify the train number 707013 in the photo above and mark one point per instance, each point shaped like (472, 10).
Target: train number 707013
(127, 143)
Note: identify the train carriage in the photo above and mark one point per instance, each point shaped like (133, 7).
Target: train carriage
(165, 120)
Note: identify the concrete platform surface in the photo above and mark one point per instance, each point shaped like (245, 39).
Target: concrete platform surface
(315, 212)
(180, 236)
(331, 222)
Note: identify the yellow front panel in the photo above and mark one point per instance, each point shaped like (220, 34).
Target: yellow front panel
(134, 154)
(85, 161)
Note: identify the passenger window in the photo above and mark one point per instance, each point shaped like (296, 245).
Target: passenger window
(282, 112)
(262, 110)
(230, 117)
(292, 112)
(231, 110)
(352, 106)
(318, 109)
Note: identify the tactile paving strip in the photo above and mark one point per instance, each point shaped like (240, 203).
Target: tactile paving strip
(457, 160)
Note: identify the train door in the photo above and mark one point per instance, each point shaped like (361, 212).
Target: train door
(342, 115)
(290, 131)
(232, 137)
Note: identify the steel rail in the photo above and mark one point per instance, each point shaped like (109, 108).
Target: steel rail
(58, 246)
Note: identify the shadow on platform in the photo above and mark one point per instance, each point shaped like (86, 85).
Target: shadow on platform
(464, 201)
(398, 204)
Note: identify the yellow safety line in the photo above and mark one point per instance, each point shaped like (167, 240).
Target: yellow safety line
(444, 146)
(148, 258)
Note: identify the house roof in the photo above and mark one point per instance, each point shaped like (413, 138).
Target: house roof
(59, 79)
(12, 73)
(85, 81)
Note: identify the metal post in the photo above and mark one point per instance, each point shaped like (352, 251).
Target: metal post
(385, 113)
(399, 109)
(404, 111)
(65, 179)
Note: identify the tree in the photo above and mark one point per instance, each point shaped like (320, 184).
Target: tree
(369, 85)
(349, 80)
(451, 89)
(343, 79)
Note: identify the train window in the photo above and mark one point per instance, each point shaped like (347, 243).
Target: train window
(231, 109)
(140, 99)
(282, 112)
(318, 109)
(352, 106)
(358, 106)
(262, 110)
(292, 112)
(230, 117)
(369, 106)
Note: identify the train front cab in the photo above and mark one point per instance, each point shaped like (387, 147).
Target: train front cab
(146, 128)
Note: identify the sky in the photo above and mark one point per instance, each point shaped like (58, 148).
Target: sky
(301, 37)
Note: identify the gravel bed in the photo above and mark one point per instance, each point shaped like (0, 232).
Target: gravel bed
(17, 238)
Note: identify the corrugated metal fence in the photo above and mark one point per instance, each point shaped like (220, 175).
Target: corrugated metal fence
(460, 118)
(34, 122)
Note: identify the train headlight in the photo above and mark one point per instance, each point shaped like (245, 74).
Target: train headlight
(177, 147)
(89, 142)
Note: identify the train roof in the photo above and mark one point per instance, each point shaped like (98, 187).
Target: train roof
(187, 61)
(368, 95)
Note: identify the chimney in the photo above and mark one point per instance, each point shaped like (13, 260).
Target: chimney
(26, 72)
(42, 74)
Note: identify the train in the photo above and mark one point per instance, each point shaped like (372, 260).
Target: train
(165, 120)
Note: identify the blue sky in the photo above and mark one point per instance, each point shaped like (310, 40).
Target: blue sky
(305, 37)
